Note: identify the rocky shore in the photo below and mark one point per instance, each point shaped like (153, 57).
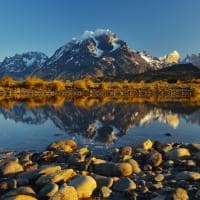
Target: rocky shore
(64, 171)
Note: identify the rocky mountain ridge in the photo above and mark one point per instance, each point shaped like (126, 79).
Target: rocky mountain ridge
(98, 54)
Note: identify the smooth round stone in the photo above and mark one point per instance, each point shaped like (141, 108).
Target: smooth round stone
(190, 163)
(125, 151)
(12, 167)
(125, 169)
(105, 192)
(177, 153)
(106, 168)
(147, 145)
(65, 193)
(21, 197)
(159, 197)
(158, 185)
(66, 146)
(48, 190)
(63, 175)
(8, 185)
(49, 169)
(25, 178)
(180, 194)
(21, 190)
(155, 159)
(159, 178)
(124, 185)
(168, 163)
(103, 181)
(135, 166)
(196, 147)
(197, 156)
(84, 185)
(147, 167)
(187, 175)
(197, 194)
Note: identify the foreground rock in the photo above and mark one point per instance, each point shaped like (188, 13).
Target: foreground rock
(180, 194)
(151, 170)
(11, 167)
(65, 193)
(84, 185)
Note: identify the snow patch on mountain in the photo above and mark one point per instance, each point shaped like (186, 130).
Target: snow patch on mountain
(21, 65)
(172, 58)
(91, 34)
(98, 33)
(146, 57)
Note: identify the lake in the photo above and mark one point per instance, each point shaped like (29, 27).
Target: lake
(97, 126)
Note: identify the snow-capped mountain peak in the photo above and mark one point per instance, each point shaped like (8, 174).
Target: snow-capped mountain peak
(21, 65)
(171, 58)
(104, 39)
(99, 53)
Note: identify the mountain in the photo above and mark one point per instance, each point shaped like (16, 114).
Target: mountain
(22, 65)
(101, 55)
(97, 54)
(194, 59)
(171, 58)
(171, 74)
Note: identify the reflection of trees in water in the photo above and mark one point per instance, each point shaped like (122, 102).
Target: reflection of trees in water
(89, 122)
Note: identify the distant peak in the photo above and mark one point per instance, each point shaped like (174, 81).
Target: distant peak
(98, 32)
(173, 57)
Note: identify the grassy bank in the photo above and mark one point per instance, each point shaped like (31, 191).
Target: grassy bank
(86, 93)
(33, 84)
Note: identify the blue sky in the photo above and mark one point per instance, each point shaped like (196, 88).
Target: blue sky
(157, 26)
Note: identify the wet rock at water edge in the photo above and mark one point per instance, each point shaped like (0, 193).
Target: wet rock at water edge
(11, 167)
(147, 145)
(177, 153)
(155, 158)
(168, 134)
(125, 169)
(65, 146)
(125, 153)
(105, 134)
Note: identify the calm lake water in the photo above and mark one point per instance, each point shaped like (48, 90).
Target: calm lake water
(112, 124)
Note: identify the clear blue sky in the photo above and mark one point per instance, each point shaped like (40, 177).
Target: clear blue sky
(158, 26)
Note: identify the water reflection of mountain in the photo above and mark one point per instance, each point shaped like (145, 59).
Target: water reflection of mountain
(120, 117)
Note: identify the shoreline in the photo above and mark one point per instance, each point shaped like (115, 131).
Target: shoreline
(65, 171)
